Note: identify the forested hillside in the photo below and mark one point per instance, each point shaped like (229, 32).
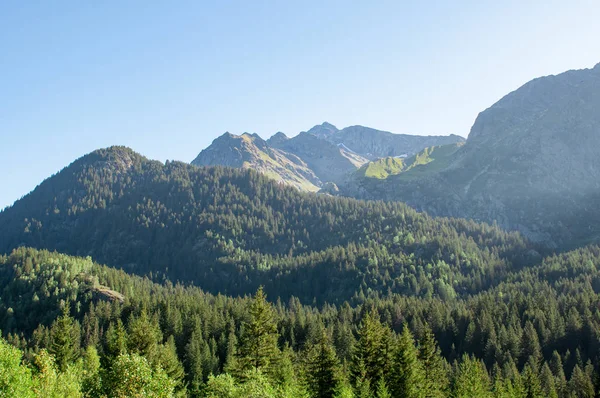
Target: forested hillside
(76, 328)
(230, 231)
(365, 299)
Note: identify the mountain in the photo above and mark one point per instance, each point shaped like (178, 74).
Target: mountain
(252, 152)
(328, 161)
(322, 155)
(230, 230)
(408, 167)
(530, 163)
(375, 144)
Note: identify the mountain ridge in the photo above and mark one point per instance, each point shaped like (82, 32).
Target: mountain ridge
(315, 157)
(530, 163)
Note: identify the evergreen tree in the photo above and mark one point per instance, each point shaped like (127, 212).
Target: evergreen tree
(533, 388)
(547, 382)
(382, 390)
(258, 349)
(556, 366)
(166, 358)
(193, 360)
(65, 338)
(144, 335)
(371, 351)
(580, 385)
(231, 354)
(435, 374)
(530, 347)
(471, 379)
(322, 369)
(407, 376)
(115, 340)
(91, 380)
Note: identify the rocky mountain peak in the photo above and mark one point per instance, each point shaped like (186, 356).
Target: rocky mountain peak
(323, 130)
(277, 139)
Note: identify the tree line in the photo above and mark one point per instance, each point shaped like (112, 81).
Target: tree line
(72, 327)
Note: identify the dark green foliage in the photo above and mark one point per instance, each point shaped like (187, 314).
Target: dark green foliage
(230, 231)
(64, 339)
(322, 369)
(471, 379)
(352, 283)
(407, 376)
(169, 325)
(435, 368)
(372, 352)
(258, 349)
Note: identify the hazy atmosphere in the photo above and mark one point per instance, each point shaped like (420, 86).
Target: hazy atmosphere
(166, 79)
(334, 199)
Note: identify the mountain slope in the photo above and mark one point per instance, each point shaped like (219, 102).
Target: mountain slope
(374, 144)
(231, 230)
(252, 152)
(530, 163)
(307, 161)
(426, 161)
(328, 161)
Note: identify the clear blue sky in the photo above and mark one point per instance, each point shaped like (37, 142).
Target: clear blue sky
(167, 77)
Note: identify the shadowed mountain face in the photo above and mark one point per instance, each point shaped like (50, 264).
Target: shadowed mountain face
(311, 159)
(530, 163)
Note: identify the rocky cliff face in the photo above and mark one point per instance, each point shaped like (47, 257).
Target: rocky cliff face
(251, 151)
(530, 163)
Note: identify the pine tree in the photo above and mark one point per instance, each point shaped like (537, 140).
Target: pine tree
(407, 376)
(193, 360)
(166, 358)
(547, 382)
(382, 390)
(258, 349)
(557, 368)
(531, 350)
(580, 385)
(115, 340)
(471, 379)
(231, 354)
(435, 376)
(144, 335)
(533, 388)
(371, 351)
(65, 338)
(322, 369)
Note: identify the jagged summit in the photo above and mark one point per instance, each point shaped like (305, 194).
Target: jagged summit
(323, 130)
(250, 151)
(322, 154)
(375, 144)
(277, 139)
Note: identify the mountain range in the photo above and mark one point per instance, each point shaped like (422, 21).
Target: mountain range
(360, 289)
(316, 157)
(530, 162)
